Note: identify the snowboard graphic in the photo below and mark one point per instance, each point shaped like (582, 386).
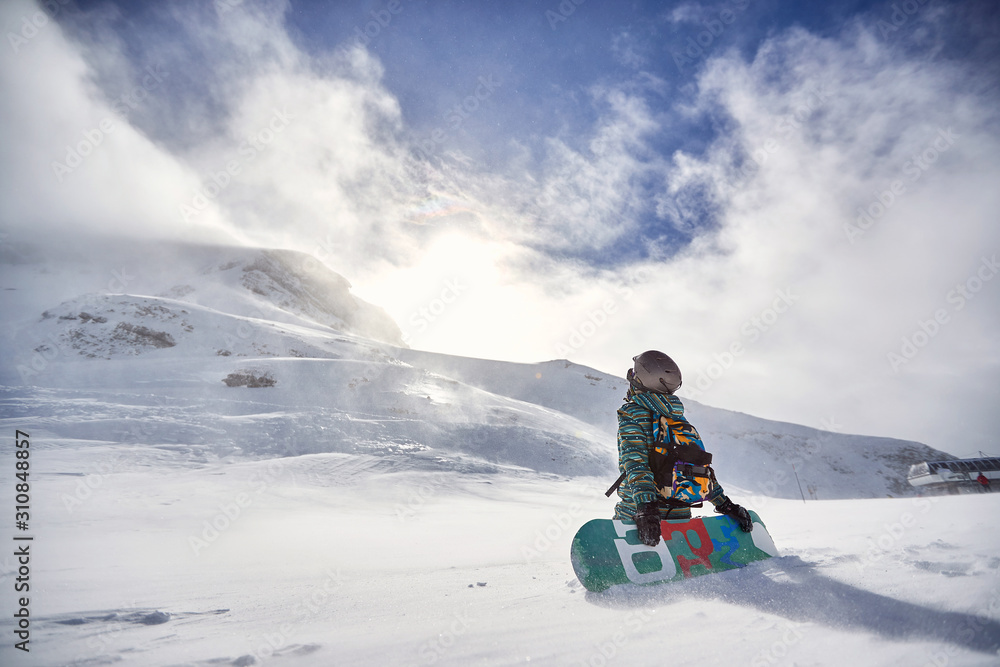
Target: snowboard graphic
(608, 552)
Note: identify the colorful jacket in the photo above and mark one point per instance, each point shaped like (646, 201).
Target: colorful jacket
(645, 421)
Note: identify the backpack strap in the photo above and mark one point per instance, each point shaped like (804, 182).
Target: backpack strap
(693, 455)
(614, 487)
(674, 451)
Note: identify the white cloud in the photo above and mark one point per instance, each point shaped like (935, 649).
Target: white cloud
(627, 51)
(585, 196)
(688, 12)
(72, 161)
(836, 123)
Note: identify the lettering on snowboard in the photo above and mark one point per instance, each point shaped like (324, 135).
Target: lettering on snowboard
(690, 544)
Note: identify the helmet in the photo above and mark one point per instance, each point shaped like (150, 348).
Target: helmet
(655, 371)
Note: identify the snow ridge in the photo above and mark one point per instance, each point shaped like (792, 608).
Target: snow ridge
(213, 321)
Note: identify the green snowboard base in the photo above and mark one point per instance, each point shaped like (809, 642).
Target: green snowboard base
(608, 552)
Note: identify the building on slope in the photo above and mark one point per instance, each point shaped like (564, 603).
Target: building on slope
(956, 475)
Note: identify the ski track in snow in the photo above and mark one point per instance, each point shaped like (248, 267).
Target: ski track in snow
(368, 504)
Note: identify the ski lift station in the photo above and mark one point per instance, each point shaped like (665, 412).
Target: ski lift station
(955, 476)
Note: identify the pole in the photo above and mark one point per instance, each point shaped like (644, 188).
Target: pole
(799, 483)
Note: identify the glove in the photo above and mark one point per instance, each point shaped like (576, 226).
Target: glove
(738, 514)
(647, 520)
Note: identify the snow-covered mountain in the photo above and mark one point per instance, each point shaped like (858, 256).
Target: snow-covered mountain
(213, 320)
(753, 454)
(86, 274)
(235, 461)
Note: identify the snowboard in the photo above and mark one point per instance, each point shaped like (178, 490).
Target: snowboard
(608, 552)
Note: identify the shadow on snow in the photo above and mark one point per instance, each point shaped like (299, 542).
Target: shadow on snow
(790, 587)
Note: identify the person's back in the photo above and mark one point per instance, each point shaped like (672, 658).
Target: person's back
(984, 481)
(661, 457)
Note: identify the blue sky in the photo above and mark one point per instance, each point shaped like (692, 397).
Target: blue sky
(544, 66)
(787, 212)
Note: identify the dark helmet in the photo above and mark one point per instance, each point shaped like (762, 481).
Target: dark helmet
(655, 371)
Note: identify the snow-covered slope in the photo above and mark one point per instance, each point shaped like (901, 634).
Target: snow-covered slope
(228, 467)
(318, 560)
(217, 320)
(757, 456)
(273, 285)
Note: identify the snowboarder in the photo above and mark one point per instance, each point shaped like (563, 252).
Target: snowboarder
(653, 436)
(984, 483)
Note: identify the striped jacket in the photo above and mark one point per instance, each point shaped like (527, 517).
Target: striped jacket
(646, 420)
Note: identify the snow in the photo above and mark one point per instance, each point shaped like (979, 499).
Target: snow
(380, 505)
